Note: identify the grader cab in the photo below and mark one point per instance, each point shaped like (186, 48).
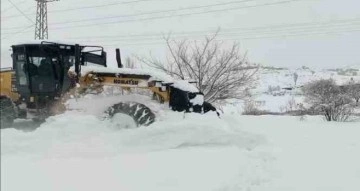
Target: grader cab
(43, 72)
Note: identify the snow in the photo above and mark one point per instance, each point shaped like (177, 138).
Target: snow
(311, 154)
(197, 100)
(185, 86)
(46, 41)
(279, 79)
(97, 104)
(83, 150)
(80, 150)
(285, 77)
(154, 75)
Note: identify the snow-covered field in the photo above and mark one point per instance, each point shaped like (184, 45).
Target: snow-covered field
(278, 79)
(80, 151)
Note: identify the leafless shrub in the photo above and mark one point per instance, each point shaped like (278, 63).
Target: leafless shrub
(220, 72)
(353, 91)
(273, 89)
(290, 106)
(296, 76)
(251, 107)
(328, 99)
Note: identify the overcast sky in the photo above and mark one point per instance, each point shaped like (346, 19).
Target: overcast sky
(285, 33)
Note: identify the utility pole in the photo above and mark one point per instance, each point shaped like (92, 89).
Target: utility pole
(41, 28)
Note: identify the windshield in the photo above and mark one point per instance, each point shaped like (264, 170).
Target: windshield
(43, 66)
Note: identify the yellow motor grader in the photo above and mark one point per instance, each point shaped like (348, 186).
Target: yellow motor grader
(43, 73)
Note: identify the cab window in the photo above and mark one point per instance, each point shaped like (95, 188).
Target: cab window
(21, 69)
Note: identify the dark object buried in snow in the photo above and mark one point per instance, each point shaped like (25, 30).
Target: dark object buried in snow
(142, 115)
(181, 100)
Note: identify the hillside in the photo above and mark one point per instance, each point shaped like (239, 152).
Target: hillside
(276, 86)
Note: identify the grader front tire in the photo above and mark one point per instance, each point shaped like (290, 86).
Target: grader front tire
(142, 115)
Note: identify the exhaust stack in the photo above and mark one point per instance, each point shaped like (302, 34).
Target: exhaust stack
(118, 58)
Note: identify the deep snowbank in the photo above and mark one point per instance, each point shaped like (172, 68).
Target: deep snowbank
(311, 155)
(79, 150)
(74, 151)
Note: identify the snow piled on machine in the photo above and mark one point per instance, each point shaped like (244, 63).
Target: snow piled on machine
(97, 104)
(185, 86)
(154, 76)
(197, 100)
(48, 41)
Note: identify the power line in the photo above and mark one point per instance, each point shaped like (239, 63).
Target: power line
(292, 25)
(231, 32)
(278, 28)
(156, 12)
(98, 6)
(18, 32)
(11, 28)
(268, 27)
(241, 36)
(22, 13)
(244, 38)
(147, 13)
(301, 34)
(237, 34)
(169, 16)
(86, 7)
(11, 7)
(164, 11)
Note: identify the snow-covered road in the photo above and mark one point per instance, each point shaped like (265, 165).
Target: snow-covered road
(78, 151)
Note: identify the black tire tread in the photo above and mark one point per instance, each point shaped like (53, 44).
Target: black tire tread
(142, 115)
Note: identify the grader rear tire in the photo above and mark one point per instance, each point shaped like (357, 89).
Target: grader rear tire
(7, 112)
(141, 114)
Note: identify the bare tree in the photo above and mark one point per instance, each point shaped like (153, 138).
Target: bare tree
(220, 72)
(296, 76)
(328, 99)
(353, 89)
